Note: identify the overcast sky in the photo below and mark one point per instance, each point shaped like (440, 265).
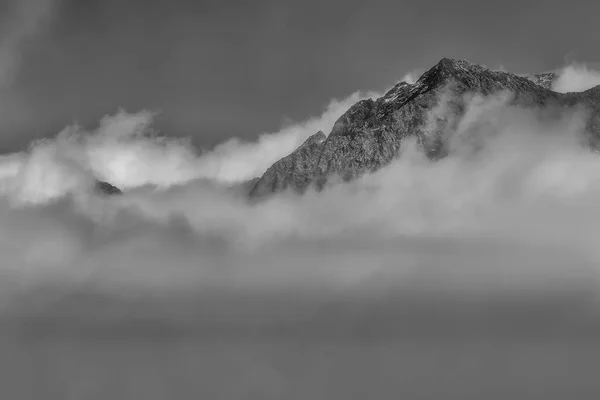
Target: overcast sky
(217, 69)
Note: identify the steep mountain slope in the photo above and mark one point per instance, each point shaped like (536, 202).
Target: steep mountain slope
(369, 135)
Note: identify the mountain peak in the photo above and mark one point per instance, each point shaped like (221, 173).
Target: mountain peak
(369, 135)
(456, 64)
(474, 77)
(448, 67)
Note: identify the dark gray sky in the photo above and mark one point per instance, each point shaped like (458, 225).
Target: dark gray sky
(218, 68)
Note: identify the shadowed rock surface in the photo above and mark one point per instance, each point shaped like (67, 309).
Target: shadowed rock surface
(369, 135)
(294, 170)
(106, 188)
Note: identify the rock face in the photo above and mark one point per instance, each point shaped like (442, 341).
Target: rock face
(293, 171)
(369, 135)
(545, 79)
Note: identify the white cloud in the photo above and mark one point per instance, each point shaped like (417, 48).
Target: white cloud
(576, 77)
(527, 186)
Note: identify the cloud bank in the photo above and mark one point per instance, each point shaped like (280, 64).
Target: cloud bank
(516, 181)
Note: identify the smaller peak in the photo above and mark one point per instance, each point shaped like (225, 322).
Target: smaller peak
(401, 84)
(316, 138)
(105, 188)
(395, 92)
(455, 64)
(445, 68)
(398, 86)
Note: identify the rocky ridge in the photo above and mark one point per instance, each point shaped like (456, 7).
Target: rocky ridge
(368, 136)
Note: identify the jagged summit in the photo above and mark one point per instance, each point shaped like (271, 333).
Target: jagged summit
(369, 135)
(483, 80)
